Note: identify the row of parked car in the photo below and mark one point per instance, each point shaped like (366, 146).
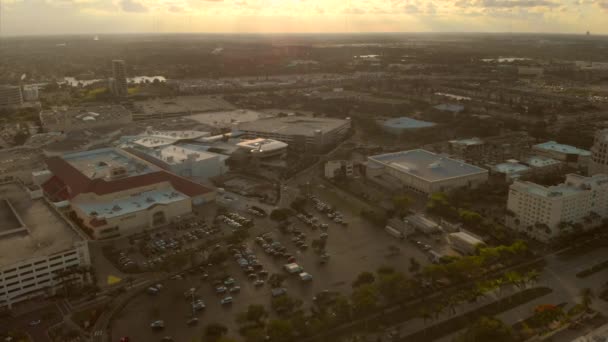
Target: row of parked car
(312, 222)
(249, 263)
(257, 211)
(272, 247)
(326, 209)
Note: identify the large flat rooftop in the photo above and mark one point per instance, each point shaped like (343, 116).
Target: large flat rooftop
(426, 165)
(293, 125)
(262, 145)
(574, 184)
(405, 122)
(185, 105)
(179, 154)
(10, 223)
(101, 163)
(131, 204)
(47, 232)
(557, 147)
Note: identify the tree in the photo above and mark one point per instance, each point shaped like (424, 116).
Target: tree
(255, 314)
(276, 280)
(546, 314)
(487, 329)
(280, 330)
(393, 286)
(514, 279)
(281, 214)
(414, 265)
(364, 299)
(285, 304)
(364, 278)
(215, 331)
(401, 204)
(469, 218)
(254, 334)
(587, 297)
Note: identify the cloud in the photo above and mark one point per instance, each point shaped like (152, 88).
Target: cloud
(603, 4)
(133, 6)
(506, 3)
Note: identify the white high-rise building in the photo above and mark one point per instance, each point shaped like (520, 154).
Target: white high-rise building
(10, 96)
(119, 73)
(599, 153)
(545, 212)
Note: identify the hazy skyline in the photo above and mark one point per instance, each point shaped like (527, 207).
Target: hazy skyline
(26, 17)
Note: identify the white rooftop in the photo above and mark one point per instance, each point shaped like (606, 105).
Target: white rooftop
(178, 135)
(106, 162)
(262, 145)
(179, 154)
(467, 142)
(467, 237)
(573, 185)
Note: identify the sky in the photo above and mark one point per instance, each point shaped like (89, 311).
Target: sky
(33, 17)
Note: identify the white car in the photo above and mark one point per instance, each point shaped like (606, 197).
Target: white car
(157, 324)
(226, 300)
(198, 305)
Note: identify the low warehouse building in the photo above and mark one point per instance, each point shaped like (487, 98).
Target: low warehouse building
(112, 193)
(465, 243)
(423, 171)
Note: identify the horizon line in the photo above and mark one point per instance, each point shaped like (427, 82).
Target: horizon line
(584, 34)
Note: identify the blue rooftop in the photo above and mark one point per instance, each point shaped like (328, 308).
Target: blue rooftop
(406, 123)
(557, 147)
(131, 204)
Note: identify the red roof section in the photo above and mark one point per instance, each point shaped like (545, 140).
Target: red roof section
(78, 183)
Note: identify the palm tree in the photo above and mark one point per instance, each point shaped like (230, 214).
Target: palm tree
(513, 278)
(531, 277)
(587, 297)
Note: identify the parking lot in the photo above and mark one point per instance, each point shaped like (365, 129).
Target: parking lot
(351, 249)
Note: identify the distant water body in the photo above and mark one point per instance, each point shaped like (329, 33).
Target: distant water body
(136, 80)
(505, 59)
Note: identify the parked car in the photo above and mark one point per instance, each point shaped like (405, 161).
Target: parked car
(192, 321)
(278, 292)
(258, 283)
(160, 324)
(226, 300)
